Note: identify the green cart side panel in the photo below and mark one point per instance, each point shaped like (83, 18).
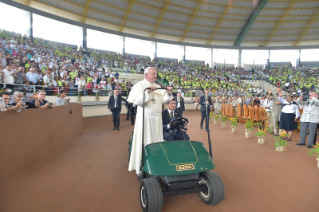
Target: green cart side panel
(162, 159)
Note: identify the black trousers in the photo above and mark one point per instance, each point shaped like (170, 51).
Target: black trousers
(128, 115)
(315, 140)
(177, 136)
(132, 117)
(180, 110)
(203, 117)
(116, 117)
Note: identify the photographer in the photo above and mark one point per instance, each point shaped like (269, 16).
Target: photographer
(62, 100)
(40, 102)
(19, 78)
(5, 96)
(19, 98)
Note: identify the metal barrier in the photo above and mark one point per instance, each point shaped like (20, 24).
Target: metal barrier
(55, 91)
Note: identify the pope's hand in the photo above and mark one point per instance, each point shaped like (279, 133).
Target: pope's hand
(186, 126)
(152, 88)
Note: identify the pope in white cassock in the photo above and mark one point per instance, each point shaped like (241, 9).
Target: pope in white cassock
(153, 127)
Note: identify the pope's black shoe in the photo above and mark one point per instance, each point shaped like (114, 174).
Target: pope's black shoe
(201, 127)
(309, 147)
(118, 128)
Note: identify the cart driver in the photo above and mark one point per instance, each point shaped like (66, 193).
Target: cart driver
(168, 115)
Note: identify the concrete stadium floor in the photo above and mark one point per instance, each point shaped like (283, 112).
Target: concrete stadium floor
(89, 174)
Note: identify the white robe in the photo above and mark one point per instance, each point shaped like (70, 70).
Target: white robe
(153, 127)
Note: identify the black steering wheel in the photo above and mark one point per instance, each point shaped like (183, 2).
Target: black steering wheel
(176, 123)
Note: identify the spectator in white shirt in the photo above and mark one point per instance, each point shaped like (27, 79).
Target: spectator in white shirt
(62, 100)
(8, 76)
(268, 106)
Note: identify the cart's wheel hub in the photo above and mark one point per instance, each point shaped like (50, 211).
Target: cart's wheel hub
(143, 196)
(205, 192)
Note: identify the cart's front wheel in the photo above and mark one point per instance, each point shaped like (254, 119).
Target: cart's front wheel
(213, 192)
(151, 197)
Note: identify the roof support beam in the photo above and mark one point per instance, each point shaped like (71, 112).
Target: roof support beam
(250, 21)
(191, 19)
(305, 30)
(281, 20)
(160, 18)
(27, 2)
(128, 10)
(219, 22)
(85, 10)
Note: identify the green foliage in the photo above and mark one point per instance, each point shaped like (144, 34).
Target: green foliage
(216, 116)
(234, 121)
(280, 141)
(315, 150)
(224, 118)
(249, 125)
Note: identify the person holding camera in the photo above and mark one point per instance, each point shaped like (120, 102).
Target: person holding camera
(309, 119)
(276, 108)
(40, 102)
(62, 100)
(19, 99)
(4, 103)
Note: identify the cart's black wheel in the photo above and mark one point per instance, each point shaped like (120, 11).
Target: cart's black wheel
(213, 188)
(151, 197)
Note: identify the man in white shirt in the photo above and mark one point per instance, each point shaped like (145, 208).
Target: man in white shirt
(8, 76)
(48, 82)
(268, 106)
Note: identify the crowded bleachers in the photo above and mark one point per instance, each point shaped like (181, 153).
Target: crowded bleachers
(35, 64)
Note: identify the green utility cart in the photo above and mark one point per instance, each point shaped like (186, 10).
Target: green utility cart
(177, 168)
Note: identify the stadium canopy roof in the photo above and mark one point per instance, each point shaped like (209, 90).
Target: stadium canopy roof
(210, 22)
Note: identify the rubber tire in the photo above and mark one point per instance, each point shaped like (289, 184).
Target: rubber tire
(154, 195)
(216, 191)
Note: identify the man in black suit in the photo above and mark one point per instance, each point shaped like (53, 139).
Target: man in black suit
(115, 107)
(132, 109)
(168, 115)
(128, 111)
(203, 108)
(179, 103)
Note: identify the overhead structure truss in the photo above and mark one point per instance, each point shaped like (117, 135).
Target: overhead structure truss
(309, 23)
(85, 10)
(250, 21)
(191, 19)
(219, 22)
(128, 10)
(305, 30)
(160, 18)
(27, 2)
(281, 20)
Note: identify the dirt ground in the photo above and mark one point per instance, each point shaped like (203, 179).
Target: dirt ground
(89, 174)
